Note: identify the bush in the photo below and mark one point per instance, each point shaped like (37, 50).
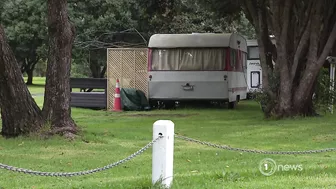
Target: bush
(323, 94)
(264, 98)
(322, 97)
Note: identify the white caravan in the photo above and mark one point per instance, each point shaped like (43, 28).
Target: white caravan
(198, 66)
(254, 72)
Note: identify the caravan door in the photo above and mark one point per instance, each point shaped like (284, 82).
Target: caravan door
(255, 79)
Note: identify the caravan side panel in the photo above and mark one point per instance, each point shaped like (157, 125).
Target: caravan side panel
(188, 85)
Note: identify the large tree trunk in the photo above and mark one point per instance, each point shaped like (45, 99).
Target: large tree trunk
(305, 32)
(19, 112)
(56, 107)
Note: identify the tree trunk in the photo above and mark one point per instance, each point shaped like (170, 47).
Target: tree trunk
(56, 107)
(96, 71)
(305, 33)
(19, 112)
(95, 68)
(30, 76)
(103, 71)
(30, 67)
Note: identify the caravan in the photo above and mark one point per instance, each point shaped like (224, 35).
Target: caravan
(198, 66)
(254, 72)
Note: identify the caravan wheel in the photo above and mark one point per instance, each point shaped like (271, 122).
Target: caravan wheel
(232, 105)
(169, 104)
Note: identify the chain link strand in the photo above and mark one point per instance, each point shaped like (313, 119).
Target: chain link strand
(80, 173)
(254, 151)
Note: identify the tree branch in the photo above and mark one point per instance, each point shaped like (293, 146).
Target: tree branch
(303, 42)
(274, 5)
(102, 73)
(285, 20)
(265, 56)
(312, 67)
(328, 19)
(328, 47)
(314, 30)
(307, 16)
(252, 10)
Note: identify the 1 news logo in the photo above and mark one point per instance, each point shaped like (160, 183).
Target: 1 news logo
(268, 167)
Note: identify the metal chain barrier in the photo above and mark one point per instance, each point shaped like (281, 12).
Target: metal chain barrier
(80, 173)
(254, 151)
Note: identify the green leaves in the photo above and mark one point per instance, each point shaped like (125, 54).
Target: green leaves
(24, 23)
(109, 23)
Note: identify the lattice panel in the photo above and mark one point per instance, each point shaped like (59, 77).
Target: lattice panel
(129, 65)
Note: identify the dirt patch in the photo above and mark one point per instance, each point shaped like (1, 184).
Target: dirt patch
(161, 115)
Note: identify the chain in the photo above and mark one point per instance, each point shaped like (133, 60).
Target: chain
(254, 151)
(80, 173)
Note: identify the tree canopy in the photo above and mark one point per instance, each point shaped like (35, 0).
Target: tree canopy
(101, 24)
(25, 25)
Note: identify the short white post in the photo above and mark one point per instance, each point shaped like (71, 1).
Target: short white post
(163, 152)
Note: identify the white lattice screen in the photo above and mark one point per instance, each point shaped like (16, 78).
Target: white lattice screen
(129, 65)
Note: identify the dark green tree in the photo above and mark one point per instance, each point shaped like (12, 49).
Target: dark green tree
(25, 23)
(187, 16)
(102, 24)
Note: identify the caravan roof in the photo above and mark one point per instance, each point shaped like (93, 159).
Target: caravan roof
(198, 40)
(252, 42)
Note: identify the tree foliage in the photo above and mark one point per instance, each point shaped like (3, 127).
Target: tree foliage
(99, 25)
(102, 24)
(187, 16)
(324, 95)
(25, 23)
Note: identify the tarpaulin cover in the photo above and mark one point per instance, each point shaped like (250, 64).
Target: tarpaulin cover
(133, 100)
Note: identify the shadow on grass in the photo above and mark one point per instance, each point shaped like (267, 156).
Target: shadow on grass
(248, 105)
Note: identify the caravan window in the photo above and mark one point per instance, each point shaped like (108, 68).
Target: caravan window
(233, 57)
(253, 52)
(189, 59)
(238, 60)
(244, 60)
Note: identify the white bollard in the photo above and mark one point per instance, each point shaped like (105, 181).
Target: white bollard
(163, 152)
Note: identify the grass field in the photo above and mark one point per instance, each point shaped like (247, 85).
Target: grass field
(109, 136)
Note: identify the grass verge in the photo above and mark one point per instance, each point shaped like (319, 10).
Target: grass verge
(110, 136)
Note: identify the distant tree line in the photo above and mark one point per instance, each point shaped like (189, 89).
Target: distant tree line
(102, 24)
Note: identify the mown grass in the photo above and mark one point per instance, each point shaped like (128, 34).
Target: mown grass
(110, 136)
(38, 85)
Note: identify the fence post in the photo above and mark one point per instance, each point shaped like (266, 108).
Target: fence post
(163, 152)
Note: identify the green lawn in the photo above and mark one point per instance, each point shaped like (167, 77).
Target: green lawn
(108, 137)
